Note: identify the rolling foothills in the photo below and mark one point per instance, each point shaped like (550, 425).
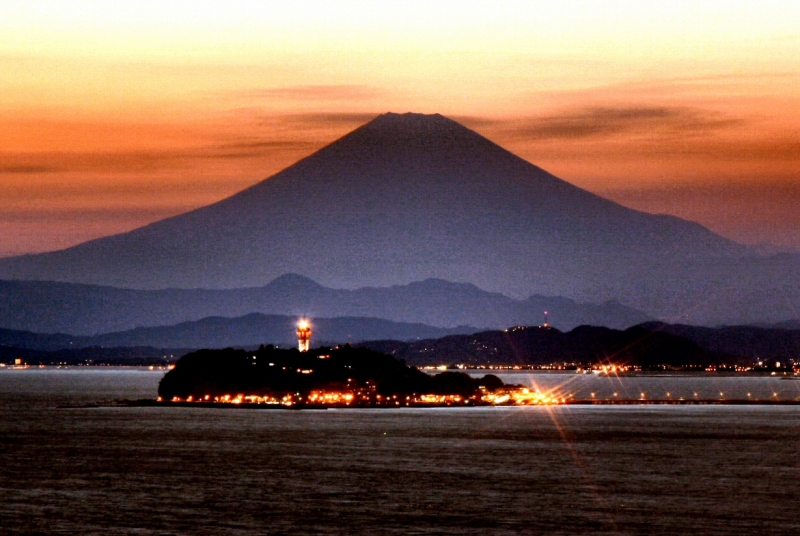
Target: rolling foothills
(648, 346)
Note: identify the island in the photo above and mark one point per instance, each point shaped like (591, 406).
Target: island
(326, 377)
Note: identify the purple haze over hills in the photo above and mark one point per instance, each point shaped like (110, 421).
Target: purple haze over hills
(51, 307)
(411, 197)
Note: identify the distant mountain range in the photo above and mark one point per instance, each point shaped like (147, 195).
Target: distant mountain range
(789, 324)
(409, 198)
(544, 346)
(647, 345)
(48, 307)
(245, 331)
(94, 355)
(780, 342)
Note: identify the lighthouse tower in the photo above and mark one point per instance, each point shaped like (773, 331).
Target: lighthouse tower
(303, 335)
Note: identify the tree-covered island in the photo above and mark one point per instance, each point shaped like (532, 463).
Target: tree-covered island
(324, 377)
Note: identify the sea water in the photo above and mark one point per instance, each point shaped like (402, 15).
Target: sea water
(656, 386)
(506, 470)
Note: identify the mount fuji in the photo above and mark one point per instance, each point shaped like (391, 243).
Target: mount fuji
(410, 197)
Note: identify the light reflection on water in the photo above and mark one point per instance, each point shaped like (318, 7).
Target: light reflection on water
(675, 387)
(52, 387)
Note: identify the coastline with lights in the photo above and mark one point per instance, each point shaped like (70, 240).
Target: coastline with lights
(327, 377)
(344, 377)
(322, 377)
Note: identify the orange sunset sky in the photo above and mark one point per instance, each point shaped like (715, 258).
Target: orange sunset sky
(117, 114)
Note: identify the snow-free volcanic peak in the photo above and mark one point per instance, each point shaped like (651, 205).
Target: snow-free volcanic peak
(407, 197)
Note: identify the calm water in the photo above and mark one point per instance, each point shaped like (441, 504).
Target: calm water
(529, 470)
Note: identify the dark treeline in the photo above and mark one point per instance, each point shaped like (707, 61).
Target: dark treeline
(647, 348)
(93, 355)
(650, 345)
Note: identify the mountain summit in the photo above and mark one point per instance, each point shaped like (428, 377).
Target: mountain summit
(407, 197)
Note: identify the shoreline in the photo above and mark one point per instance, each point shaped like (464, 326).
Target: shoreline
(144, 403)
(509, 371)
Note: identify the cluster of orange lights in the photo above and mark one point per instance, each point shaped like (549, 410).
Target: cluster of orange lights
(330, 398)
(232, 399)
(506, 396)
(521, 397)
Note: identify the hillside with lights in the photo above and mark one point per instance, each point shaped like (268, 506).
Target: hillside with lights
(343, 376)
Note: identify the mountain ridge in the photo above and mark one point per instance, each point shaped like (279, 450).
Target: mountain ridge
(51, 307)
(649, 346)
(252, 329)
(650, 343)
(409, 197)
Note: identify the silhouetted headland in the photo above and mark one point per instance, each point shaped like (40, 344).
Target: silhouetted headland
(321, 377)
(353, 377)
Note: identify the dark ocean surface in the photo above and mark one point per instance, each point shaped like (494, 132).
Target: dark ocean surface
(524, 470)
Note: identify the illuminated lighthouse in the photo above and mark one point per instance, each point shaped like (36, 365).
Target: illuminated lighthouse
(303, 335)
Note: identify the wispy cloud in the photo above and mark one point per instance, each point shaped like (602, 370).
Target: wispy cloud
(39, 163)
(475, 121)
(254, 148)
(605, 121)
(329, 119)
(27, 169)
(318, 92)
(688, 88)
(146, 161)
